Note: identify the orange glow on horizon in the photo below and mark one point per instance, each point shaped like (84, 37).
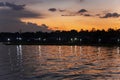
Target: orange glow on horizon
(76, 23)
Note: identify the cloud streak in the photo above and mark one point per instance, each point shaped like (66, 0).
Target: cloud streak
(52, 9)
(111, 15)
(82, 11)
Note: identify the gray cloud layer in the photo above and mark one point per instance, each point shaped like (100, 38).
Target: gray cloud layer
(10, 19)
(81, 12)
(84, 12)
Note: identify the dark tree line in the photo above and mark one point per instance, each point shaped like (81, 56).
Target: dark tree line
(110, 36)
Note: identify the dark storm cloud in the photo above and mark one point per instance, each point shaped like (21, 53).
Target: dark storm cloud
(10, 20)
(14, 25)
(52, 9)
(14, 6)
(2, 4)
(82, 11)
(109, 15)
(9, 14)
(23, 1)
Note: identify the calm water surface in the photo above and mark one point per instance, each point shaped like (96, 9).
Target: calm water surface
(59, 63)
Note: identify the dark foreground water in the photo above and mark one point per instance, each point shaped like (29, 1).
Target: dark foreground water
(59, 63)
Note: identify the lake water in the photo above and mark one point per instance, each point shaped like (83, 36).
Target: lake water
(38, 62)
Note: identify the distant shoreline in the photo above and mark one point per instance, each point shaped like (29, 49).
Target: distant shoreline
(92, 38)
(59, 44)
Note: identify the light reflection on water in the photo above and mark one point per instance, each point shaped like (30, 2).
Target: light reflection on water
(59, 62)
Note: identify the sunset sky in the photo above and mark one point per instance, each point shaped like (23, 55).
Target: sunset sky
(47, 15)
